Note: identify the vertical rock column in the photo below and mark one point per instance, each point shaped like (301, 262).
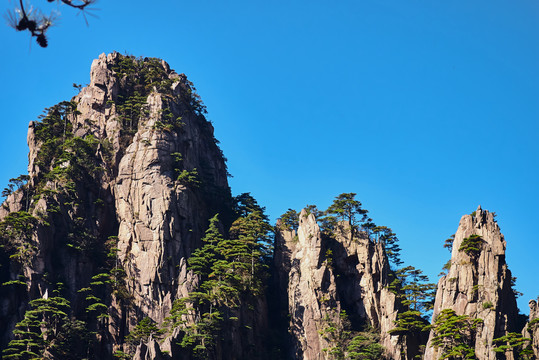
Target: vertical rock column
(478, 284)
(531, 330)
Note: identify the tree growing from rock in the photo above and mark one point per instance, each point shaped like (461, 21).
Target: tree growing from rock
(516, 344)
(348, 210)
(232, 271)
(454, 335)
(290, 220)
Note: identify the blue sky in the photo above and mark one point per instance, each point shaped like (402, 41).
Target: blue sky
(425, 109)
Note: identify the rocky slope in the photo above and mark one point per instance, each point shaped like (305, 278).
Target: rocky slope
(478, 284)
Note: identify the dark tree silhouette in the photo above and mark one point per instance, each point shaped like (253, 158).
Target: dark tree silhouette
(34, 21)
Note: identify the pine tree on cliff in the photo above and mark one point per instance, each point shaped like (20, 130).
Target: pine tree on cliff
(233, 273)
(454, 335)
(47, 329)
(289, 220)
(347, 209)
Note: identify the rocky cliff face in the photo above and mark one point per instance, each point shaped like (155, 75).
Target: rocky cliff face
(478, 284)
(531, 330)
(322, 276)
(122, 182)
(130, 168)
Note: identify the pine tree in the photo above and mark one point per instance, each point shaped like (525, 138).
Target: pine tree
(516, 344)
(365, 346)
(388, 238)
(40, 329)
(232, 272)
(289, 220)
(143, 331)
(454, 335)
(347, 209)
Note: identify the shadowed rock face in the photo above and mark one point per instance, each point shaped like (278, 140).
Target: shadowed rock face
(320, 276)
(478, 284)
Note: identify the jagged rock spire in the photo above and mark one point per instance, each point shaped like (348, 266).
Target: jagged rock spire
(478, 283)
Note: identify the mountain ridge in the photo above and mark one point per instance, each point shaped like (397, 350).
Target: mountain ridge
(122, 183)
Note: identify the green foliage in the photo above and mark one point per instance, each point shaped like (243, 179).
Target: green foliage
(144, 74)
(365, 346)
(471, 246)
(389, 239)
(118, 354)
(95, 306)
(47, 328)
(344, 343)
(513, 287)
(131, 109)
(488, 305)
(289, 220)
(448, 243)
(347, 216)
(337, 333)
(52, 131)
(143, 331)
(445, 268)
(78, 159)
(245, 204)
(15, 184)
(312, 209)
(232, 271)
(189, 178)
(74, 341)
(16, 236)
(80, 237)
(532, 325)
(414, 290)
(14, 282)
(514, 343)
(329, 257)
(454, 335)
(411, 323)
(346, 208)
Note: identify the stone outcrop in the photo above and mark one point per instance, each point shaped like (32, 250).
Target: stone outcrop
(320, 276)
(531, 330)
(133, 195)
(478, 284)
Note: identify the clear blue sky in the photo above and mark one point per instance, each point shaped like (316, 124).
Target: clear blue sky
(425, 109)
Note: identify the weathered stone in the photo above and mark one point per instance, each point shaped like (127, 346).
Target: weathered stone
(319, 277)
(531, 330)
(478, 285)
(158, 221)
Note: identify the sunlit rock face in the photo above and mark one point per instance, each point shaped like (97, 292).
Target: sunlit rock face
(478, 284)
(531, 330)
(321, 276)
